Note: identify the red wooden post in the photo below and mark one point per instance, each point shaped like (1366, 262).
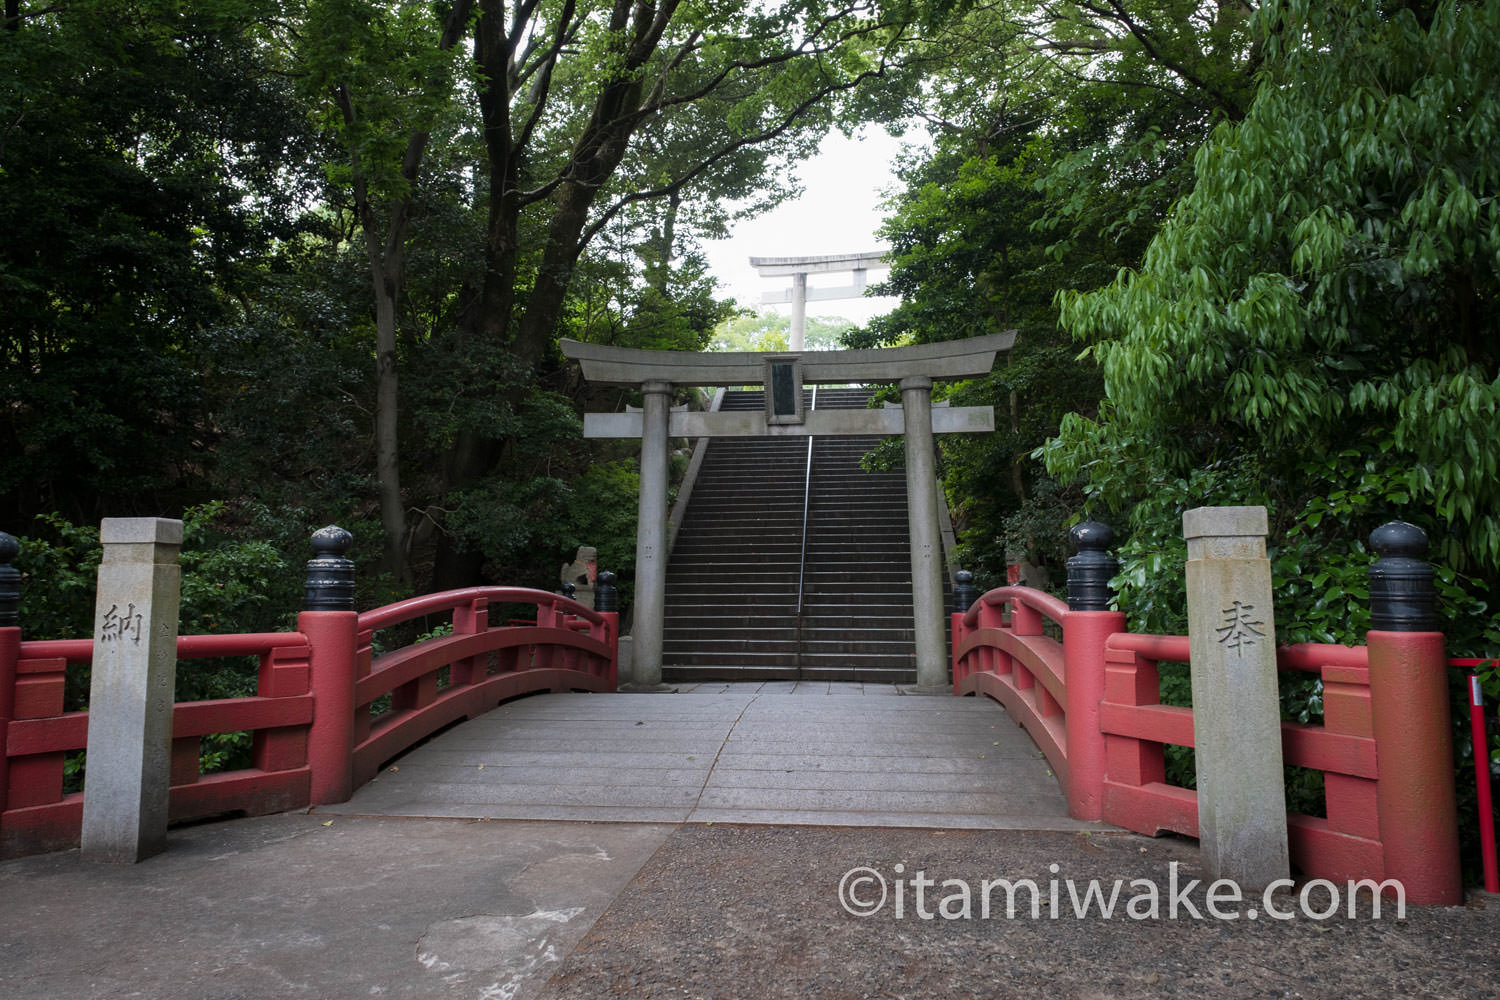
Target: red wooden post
(956, 635)
(1410, 716)
(10, 650)
(471, 619)
(1413, 736)
(1086, 626)
(1024, 620)
(37, 779)
(10, 654)
(285, 672)
(964, 596)
(1350, 801)
(993, 660)
(330, 740)
(547, 616)
(1084, 635)
(1480, 737)
(331, 627)
(609, 633)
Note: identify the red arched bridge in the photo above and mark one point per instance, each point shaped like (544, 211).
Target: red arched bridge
(331, 712)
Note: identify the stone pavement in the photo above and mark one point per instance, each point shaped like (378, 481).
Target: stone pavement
(769, 752)
(352, 907)
(326, 905)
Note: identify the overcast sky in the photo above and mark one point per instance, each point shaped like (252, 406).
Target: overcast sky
(838, 213)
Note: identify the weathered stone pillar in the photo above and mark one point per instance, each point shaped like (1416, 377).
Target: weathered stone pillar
(926, 543)
(1242, 827)
(797, 334)
(651, 541)
(132, 690)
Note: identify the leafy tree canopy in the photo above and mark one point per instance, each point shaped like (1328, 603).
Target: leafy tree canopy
(1314, 326)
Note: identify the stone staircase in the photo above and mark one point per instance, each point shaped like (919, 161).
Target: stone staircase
(734, 574)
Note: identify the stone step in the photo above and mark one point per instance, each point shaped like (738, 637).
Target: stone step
(735, 567)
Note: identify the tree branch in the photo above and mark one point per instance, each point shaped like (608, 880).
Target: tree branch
(765, 135)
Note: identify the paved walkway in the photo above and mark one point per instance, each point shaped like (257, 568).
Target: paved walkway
(772, 752)
(337, 907)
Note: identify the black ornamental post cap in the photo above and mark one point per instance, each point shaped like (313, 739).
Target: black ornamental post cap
(10, 582)
(1402, 595)
(1091, 569)
(964, 591)
(330, 574)
(606, 597)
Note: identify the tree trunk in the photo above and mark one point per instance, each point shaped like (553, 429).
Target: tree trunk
(526, 335)
(387, 440)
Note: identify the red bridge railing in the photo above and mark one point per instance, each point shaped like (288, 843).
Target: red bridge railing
(1377, 766)
(1002, 648)
(1344, 844)
(314, 735)
(1089, 693)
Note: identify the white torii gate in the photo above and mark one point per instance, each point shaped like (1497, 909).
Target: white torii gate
(914, 368)
(798, 268)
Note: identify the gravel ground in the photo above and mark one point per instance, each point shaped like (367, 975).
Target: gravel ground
(724, 911)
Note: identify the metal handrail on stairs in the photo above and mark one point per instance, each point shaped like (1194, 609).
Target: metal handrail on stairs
(802, 557)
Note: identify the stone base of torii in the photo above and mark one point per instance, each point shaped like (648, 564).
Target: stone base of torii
(658, 373)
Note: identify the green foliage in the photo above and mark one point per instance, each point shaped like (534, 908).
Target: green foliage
(1313, 330)
(1323, 290)
(528, 528)
(145, 163)
(229, 584)
(59, 572)
(764, 330)
(1062, 133)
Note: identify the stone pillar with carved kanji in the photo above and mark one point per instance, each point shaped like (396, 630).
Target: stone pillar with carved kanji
(131, 690)
(1242, 828)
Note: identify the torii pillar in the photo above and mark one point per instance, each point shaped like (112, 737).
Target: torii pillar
(649, 622)
(915, 368)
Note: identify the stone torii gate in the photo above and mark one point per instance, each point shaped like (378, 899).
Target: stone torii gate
(658, 373)
(798, 268)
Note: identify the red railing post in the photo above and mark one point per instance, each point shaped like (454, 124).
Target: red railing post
(284, 672)
(1410, 716)
(964, 596)
(1086, 627)
(10, 651)
(1413, 737)
(472, 618)
(331, 638)
(332, 628)
(608, 632)
(1084, 636)
(956, 633)
(547, 616)
(10, 655)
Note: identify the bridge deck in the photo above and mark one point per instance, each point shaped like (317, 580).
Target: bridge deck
(773, 752)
